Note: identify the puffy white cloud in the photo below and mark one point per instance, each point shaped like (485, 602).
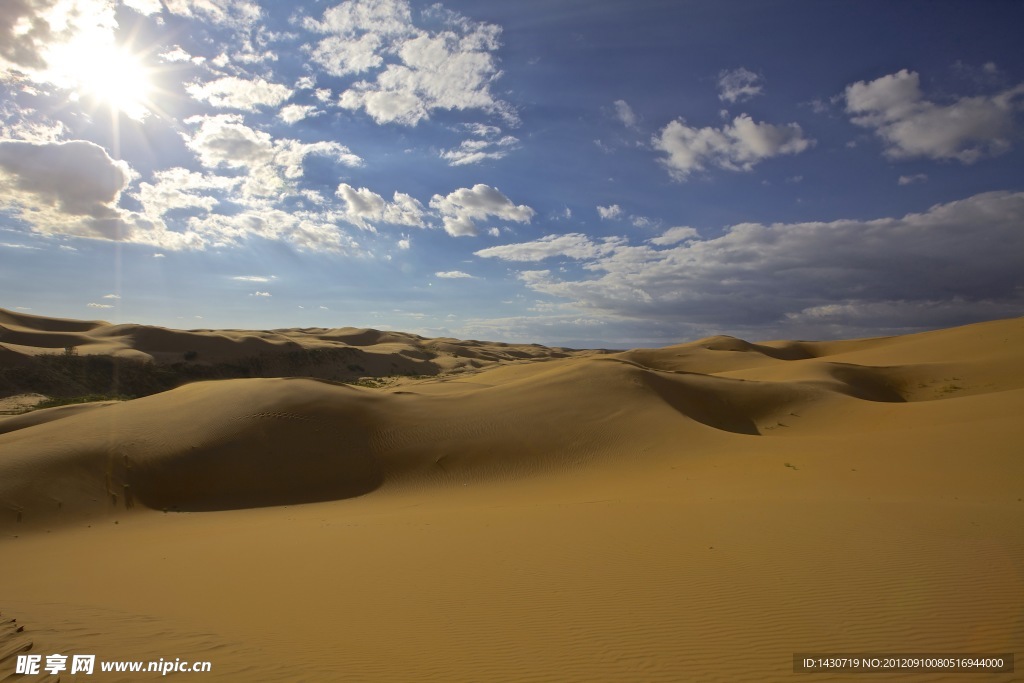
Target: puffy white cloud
(74, 188)
(79, 177)
(294, 113)
(911, 126)
(231, 92)
(178, 54)
(363, 208)
(416, 70)
(314, 231)
(951, 264)
(454, 275)
(738, 85)
(179, 188)
(289, 154)
(224, 141)
(609, 212)
(738, 146)
(625, 114)
(357, 31)
(65, 187)
(462, 208)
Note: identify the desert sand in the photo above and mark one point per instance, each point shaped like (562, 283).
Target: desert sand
(699, 512)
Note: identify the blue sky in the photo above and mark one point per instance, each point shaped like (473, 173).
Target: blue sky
(604, 173)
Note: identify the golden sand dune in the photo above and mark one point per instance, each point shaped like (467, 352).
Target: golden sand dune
(697, 512)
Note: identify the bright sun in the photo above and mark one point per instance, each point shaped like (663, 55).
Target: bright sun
(112, 76)
(120, 80)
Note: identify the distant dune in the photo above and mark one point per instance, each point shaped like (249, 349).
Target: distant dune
(512, 512)
(140, 360)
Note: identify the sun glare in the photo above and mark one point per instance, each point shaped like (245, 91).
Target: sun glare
(110, 76)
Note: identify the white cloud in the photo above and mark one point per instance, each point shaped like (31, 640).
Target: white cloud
(144, 6)
(454, 275)
(482, 130)
(357, 33)
(404, 243)
(953, 263)
(675, 236)
(260, 294)
(625, 114)
(253, 278)
(462, 208)
(177, 54)
(111, 296)
(159, 255)
(609, 212)
(415, 70)
(911, 179)
(294, 113)
(312, 230)
(967, 129)
(738, 85)
(224, 141)
(231, 92)
(95, 305)
(363, 208)
(65, 187)
(238, 14)
(179, 188)
(475, 151)
(572, 245)
(738, 146)
(253, 46)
